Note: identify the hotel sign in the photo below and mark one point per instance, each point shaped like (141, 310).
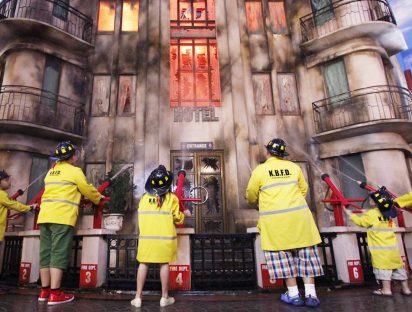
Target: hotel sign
(195, 114)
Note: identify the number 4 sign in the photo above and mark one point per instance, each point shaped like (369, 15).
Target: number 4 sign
(179, 277)
(355, 271)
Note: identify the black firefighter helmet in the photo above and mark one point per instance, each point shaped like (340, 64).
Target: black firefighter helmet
(159, 181)
(277, 147)
(3, 175)
(384, 202)
(64, 150)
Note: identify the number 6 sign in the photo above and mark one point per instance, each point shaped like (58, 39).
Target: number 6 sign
(355, 271)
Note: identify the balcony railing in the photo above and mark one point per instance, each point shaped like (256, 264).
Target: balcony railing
(53, 12)
(36, 106)
(362, 105)
(344, 13)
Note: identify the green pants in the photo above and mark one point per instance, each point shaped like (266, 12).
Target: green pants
(55, 245)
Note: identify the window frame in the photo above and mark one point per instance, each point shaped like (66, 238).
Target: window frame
(269, 19)
(138, 18)
(61, 9)
(100, 32)
(341, 96)
(51, 58)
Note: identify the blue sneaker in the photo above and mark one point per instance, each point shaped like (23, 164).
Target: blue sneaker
(295, 301)
(312, 302)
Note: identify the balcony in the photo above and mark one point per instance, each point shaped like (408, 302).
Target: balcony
(373, 109)
(33, 17)
(345, 20)
(30, 110)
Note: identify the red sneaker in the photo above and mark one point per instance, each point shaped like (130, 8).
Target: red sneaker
(44, 294)
(60, 297)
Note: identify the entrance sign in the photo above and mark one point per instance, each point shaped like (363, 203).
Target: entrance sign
(196, 145)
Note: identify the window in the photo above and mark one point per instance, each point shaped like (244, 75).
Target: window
(262, 91)
(194, 64)
(277, 14)
(352, 166)
(107, 13)
(51, 79)
(101, 95)
(336, 81)
(61, 9)
(288, 94)
(192, 13)
(254, 16)
(125, 100)
(194, 73)
(39, 168)
(322, 10)
(130, 15)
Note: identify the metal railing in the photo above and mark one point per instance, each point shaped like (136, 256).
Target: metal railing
(71, 277)
(365, 257)
(344, 13)
(328, 260)
(122, 264)
(13, 246)
(37, 106)
(362, 105)
(223, 261)
(53, 12)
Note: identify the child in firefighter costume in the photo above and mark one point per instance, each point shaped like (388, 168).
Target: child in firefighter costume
(158, 212)
(8, 204)
(382, 243)
(288, 232)
(64, 185)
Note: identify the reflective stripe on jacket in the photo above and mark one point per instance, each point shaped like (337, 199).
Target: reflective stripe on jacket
(404, 200)
(5, 204)
(285, 220)
(157, 231)
(382, 241)
(63, 186)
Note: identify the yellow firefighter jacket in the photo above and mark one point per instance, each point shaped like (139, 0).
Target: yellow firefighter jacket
(5, 204)
(404, 200)
(285, 220)
(157, 232)
(382, 241)
(63, 186)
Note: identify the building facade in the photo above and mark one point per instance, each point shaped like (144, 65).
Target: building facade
(202, 85)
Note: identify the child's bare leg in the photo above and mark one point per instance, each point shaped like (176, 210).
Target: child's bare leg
(405, 287)
(141, 278)
(386, 287)
(164, 279)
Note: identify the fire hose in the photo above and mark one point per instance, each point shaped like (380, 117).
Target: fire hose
(339, 201)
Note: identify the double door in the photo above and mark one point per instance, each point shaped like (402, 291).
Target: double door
(205, 169)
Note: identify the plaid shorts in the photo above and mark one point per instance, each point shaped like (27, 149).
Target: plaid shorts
(302, 262)
(388, 275)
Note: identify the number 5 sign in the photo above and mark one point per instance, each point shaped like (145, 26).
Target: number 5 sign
(355, 271)
(179, 277)
(88, 275)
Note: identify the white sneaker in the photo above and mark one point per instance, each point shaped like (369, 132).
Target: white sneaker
(136, 302)
(164, 302)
